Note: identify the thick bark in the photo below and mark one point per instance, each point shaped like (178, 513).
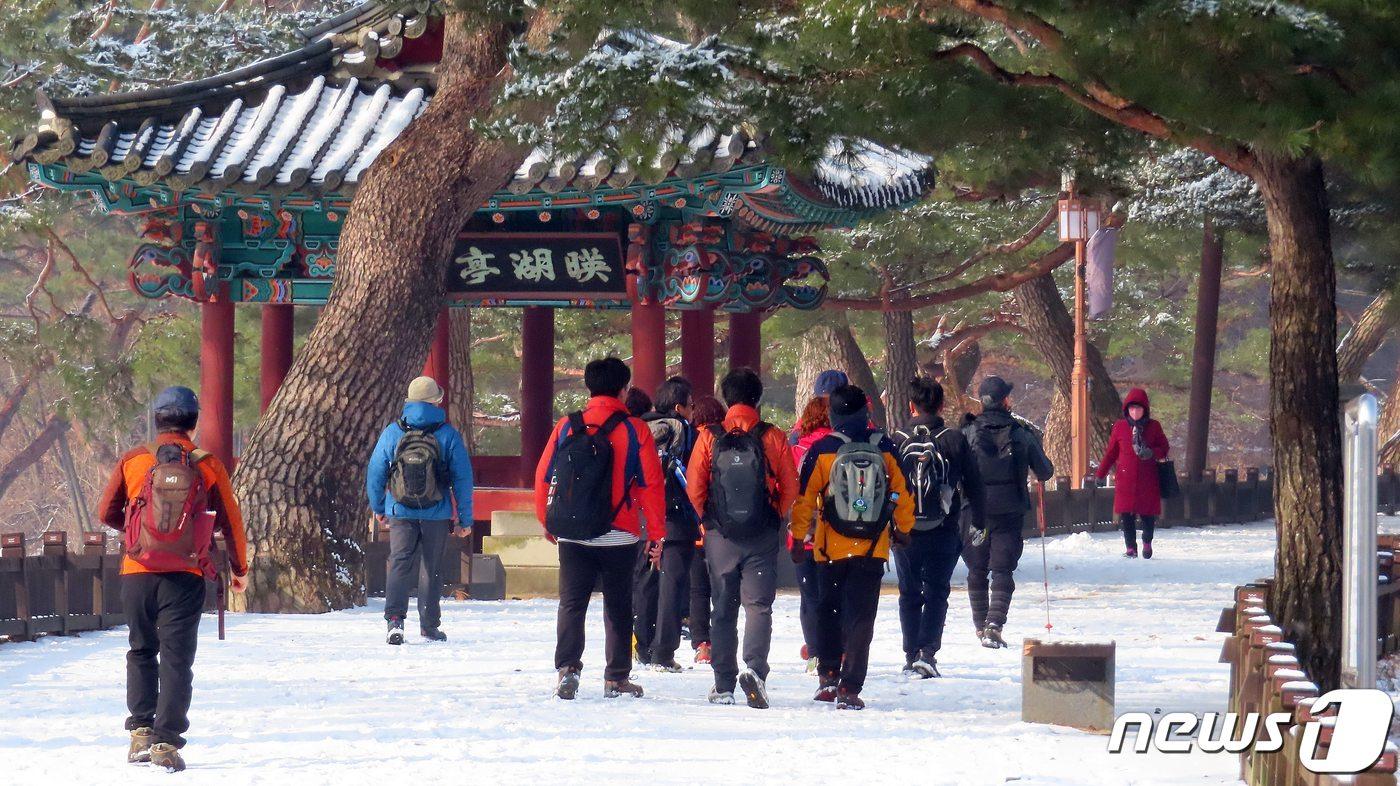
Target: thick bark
(1388, 430)
(1051, 330)
(960, 364)
(831, 345)
(10, 407)
(901, 364)
(1366, 336)
(1303, 412)
(1203, 354)
(29, 455)
(463, 404)
(301, 479)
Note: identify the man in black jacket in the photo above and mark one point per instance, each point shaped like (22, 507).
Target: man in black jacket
(942, 474)
(1007, 448)
(658, 626)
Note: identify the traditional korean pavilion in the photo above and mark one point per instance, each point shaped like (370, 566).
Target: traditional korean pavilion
(244, 180)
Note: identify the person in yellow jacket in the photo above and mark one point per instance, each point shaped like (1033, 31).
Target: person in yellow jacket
(857, 509)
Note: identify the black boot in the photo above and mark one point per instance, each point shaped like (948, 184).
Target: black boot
(432, 634)
(567, 687)
(395, 634)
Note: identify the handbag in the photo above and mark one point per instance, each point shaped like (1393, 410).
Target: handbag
(1167, 483)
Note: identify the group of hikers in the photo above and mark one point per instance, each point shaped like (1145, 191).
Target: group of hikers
(678, 507)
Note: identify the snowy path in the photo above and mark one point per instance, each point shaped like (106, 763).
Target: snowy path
(321, 699)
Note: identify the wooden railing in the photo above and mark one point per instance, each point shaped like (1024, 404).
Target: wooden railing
(1266, 677)
(58, 591)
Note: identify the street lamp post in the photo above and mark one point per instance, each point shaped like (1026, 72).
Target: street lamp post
(1079, 219)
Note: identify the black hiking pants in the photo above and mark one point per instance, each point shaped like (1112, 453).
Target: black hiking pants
(162, 612)
(925, 569)
(646, 582)
(809, 612)
(699, 600)
(677, 562)
(1129, 522)
(410, 540)
(580, 569)
(850, 597)
(997, 555)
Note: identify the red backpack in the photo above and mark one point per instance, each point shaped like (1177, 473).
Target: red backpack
(168, 526)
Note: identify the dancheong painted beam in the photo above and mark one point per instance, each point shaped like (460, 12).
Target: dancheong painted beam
(245, 178)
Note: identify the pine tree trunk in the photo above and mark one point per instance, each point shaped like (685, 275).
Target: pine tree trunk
(1365, 337)
(901, 365)
(1051, 330)
(1303, 412)
(1203, 352)
(1388, 430)
(1057, 431)
(960, 364)
(830, 345)
(301, 479)
(462, 384)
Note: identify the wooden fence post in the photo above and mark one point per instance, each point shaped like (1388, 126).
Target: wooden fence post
(55, 559)
(12, 562)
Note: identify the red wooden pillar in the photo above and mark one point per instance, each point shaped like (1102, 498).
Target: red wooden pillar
(745, 340)
(648, 346)
(536, 387)
(277, 329)
(216, 380)
(439, 364)
(698, 350)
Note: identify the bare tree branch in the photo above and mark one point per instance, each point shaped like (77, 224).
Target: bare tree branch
(998, 282)
(53, 428)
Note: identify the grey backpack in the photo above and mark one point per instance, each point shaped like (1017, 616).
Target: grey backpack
(416, 477)
(857, 502)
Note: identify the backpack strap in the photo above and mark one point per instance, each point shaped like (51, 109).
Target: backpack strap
(197, 455)
(839, 436)
(875, 437)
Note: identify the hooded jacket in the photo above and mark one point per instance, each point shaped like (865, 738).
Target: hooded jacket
(828, 545)
(642, 496)
(452, 452)
(1005, 498)
(1135, 484)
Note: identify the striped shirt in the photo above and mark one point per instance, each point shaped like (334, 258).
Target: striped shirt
(616, 537)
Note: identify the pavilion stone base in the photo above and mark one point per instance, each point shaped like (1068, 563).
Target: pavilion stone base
(1068, 684)
(531, 562)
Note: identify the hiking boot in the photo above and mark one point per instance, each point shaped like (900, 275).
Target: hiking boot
(718, 696)
(925, 667)
(567, 687)
(846, 700)
(991, 637)
(1131, 553)
(668, 665)
(623, 687)
(141, 741)
(702, 653)
(432, 634)
(1147, 550)
(755, 692)
(395, 635)
(827, 691)
(908, 670)
(163, 754)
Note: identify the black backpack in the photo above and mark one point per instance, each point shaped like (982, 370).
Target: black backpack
(417, 476)
(996, 454)
(580, 488)
(739, 504)
(928, 472)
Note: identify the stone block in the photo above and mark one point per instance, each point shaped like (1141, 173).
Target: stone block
(1068, 684)
(515, 524)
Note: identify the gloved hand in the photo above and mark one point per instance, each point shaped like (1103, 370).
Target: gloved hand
(798, 550)
(977, 536)
(901, 538)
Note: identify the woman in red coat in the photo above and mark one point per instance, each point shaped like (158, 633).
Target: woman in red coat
(1135, 446)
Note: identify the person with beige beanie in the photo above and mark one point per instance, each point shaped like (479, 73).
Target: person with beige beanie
(420, 481)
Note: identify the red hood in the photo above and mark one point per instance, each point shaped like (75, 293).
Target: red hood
(1137, 396)
(806, 442)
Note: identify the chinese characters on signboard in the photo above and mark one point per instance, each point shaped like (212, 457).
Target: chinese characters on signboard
(538, 264)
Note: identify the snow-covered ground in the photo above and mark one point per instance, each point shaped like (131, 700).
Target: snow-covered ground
(321, 699)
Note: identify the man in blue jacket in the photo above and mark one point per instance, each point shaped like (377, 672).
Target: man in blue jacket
(419, 467)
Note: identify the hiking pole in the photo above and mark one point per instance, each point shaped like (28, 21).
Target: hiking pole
(1044, 563)
(222, 600)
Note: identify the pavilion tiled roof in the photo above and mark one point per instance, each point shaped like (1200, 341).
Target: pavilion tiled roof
(312, 121)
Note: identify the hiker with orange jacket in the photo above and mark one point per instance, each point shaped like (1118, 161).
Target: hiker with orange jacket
(597, 482)
(742, 482)
(853, 488)
(168, 498)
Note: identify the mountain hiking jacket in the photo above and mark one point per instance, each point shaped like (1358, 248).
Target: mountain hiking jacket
(1027, 456)
(129, 476)
(828, 544)
(452, 452)
(637, 488)
(782, 476)
(963, 473)
(799, 454)
(1135, 484)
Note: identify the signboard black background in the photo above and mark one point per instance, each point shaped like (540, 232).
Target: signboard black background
(609, 264)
